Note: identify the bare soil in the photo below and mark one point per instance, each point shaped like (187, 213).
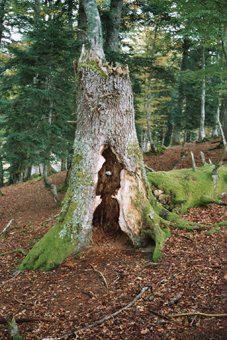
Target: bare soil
(75, 295)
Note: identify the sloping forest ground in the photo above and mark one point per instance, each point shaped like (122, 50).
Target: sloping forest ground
(191, 276)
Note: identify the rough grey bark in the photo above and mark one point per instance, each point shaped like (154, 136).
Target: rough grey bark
(113, 29)
(82, 24)
(94, 27)
(108, 182)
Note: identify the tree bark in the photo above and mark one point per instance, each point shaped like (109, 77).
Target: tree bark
(113, 29)
(82, 24)
(108, 183)
(203, 95)
(178, 117)
(2, 17)
(94, 27)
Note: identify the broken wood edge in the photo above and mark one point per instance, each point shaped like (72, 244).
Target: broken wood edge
(99, 322)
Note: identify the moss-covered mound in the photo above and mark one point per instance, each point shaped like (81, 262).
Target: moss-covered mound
(186, 188)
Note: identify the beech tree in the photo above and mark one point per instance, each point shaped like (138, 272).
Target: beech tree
(108, 184)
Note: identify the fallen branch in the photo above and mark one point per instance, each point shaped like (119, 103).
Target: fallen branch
(158, 314)
(188, 238)
(12, 278)
(198, 313)
(6, 228)
(149, 169)
(4, 321)
(99, 322)
(101, 274)
(14, 251)
(176, 299)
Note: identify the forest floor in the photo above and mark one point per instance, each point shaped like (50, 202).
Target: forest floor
(191, 276)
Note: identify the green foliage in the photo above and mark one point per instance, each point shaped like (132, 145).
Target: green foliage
(37, 96)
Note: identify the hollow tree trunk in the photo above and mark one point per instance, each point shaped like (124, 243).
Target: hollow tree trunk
(108, 182)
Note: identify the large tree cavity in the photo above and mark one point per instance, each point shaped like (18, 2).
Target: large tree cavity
(106, 214)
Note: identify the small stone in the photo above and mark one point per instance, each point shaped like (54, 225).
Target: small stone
(158, 192)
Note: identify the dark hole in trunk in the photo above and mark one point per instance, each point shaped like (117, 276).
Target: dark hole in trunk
(106, 214)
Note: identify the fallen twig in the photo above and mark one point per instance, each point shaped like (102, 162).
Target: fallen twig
(6, 228)
(101, 274)
(198, 313)
(188, 238)
(175, 299)
(4, 321)
(99, 322)
(193, 319)
(12, 278)
(158, 314)
(90, 294)
(14, 251)
(149, 169)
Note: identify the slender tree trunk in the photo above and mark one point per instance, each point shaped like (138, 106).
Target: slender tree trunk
(203, 97)
(108, 183)
(37, 4)
(178, 116)
(2, 17)
(82, 24)
(94, 27)
(152, 145)
(224, 118)
(113, 29)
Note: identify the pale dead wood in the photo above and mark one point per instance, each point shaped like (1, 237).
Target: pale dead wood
(203, 158)
(193, 161)
(99, 322)
(35, 307)
(6, 228)
(193, 319)
(198, 313)
(12, 278)
(101, 274)
(176, 299)
(53, 190)
(12, 327)
(149, 169)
